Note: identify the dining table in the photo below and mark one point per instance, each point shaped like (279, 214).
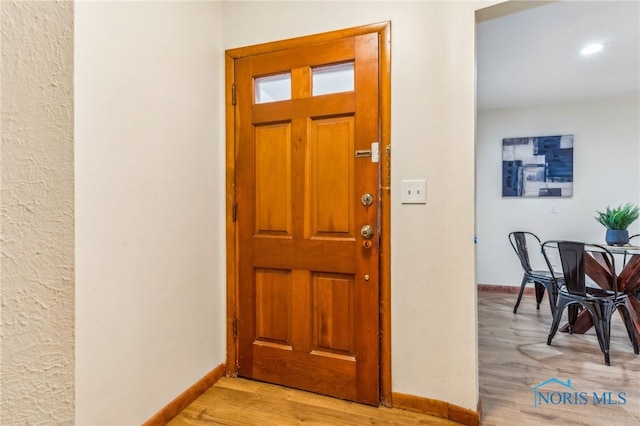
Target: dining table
(628, 281)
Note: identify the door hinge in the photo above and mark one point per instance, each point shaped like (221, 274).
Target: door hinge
(234, 212)
(235, 328)
(233, 93)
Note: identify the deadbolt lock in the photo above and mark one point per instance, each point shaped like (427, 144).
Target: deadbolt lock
(367, 200)
(367, 232)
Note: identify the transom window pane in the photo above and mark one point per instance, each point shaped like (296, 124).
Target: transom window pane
(333, 79)
(273, 88)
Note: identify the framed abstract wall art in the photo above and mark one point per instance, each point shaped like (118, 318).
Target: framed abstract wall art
(538, 166)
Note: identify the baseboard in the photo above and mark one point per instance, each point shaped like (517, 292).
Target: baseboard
(437, 408)
(505, 289)
(418, 404)
(176, 406)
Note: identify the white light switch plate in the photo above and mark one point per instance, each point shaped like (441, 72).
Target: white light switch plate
(414, 191)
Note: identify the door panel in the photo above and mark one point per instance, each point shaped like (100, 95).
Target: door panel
(308, 291)
(331, 185)
(273, 305)
(273, 180)
(333, 313)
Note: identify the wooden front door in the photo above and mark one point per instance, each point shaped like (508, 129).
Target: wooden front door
(308, 281)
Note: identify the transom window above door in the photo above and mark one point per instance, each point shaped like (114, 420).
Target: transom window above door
(325, 80)
(332, 79)
(273, 88)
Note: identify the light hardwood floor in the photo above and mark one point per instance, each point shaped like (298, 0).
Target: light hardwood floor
(244, 402)
(513, 356)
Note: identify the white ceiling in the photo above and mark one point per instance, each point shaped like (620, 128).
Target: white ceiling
(533, 57)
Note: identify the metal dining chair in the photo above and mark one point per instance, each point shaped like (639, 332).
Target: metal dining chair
(624, 259)
(574, 293)
(543, 279)
(624, 263)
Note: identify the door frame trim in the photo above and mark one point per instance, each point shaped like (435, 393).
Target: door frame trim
(384, 33)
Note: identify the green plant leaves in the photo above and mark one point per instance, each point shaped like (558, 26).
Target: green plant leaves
(618, 217)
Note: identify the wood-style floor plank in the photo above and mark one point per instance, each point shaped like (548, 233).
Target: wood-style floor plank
(513, 357)
(238, 402)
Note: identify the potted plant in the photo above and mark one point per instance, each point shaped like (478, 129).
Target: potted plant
(617, 220)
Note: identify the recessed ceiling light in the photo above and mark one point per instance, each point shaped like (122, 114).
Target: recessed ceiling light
(592, 48)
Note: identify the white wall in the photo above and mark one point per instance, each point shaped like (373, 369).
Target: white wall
(434, 351)
(150, 232)
(149, 171)
(36, 213)
(150, 193)
(606, 172)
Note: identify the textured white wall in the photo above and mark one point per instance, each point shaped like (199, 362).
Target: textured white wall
(606, 172)
(150, 196)
(433, 286)
(36, 213)
(150, 205)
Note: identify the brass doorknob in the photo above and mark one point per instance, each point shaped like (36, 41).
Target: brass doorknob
(366, 232)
